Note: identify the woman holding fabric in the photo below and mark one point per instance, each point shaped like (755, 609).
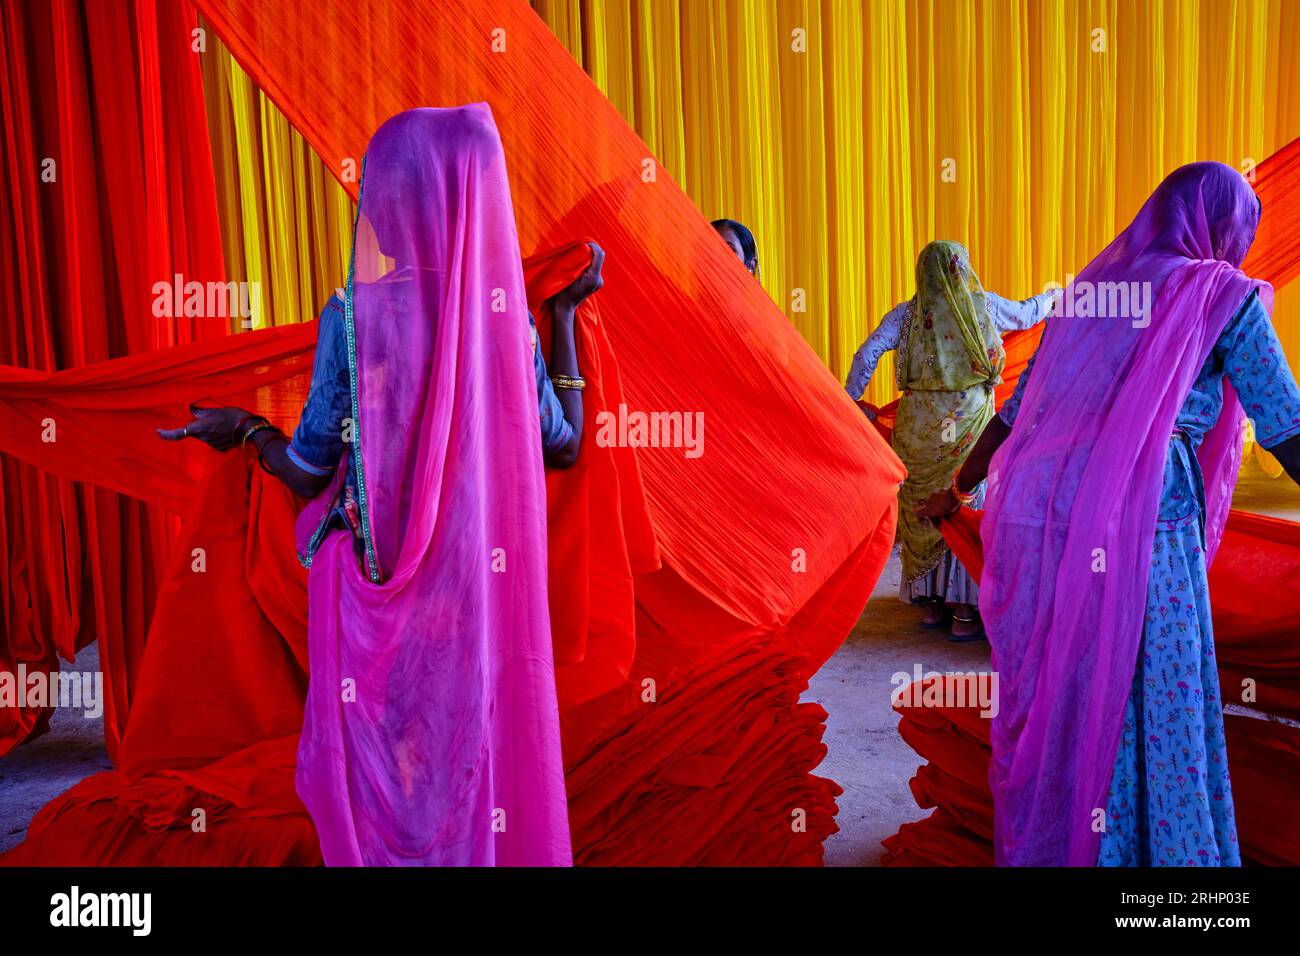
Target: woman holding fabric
(1107, 501)
(431, 733)
(949, 342)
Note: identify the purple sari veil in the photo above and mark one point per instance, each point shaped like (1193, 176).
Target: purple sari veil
(1073, 497)
(431, 733)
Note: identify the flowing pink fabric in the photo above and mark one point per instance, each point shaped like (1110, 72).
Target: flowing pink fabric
(431, 733)
(1071, 510)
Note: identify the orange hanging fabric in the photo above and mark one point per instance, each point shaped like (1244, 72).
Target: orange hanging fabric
(599, 524)
(693, 332)
(92, 94)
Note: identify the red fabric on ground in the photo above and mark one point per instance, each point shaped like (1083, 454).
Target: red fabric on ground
(1263, 754)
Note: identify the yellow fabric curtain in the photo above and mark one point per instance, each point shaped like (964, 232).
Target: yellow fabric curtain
(286, 223)
(847, 135)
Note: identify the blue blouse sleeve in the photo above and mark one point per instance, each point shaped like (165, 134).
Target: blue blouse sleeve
(556, 430)
(1257, 367)
(1011, 407)
(317, 444)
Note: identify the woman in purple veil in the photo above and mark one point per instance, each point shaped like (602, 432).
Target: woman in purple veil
(1106, 503)
(431, 732)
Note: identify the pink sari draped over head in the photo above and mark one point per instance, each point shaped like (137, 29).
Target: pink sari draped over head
(1073, 497)
(431, 733)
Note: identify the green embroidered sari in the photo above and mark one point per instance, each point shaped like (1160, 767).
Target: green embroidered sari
(949, 358)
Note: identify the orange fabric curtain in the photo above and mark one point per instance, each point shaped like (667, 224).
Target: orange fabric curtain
(721, 346)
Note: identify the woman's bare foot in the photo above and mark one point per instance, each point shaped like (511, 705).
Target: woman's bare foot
(966, 623)
(934, 614)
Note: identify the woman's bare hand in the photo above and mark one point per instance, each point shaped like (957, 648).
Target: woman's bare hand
(942, 504)
(212, 426)
(585, 285)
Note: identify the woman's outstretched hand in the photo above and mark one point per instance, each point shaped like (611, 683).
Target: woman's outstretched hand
(942, 504)
(216, 427)
(587, 284)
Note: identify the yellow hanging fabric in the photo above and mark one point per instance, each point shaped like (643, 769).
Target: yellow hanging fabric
(849, 135)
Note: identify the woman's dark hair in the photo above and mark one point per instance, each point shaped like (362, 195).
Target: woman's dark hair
(746, 238)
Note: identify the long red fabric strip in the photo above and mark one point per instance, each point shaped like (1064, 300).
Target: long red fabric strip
(90, 97)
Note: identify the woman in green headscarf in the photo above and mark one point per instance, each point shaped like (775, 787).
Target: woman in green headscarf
(949, 342)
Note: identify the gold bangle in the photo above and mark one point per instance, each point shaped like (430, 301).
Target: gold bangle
(963, 497)
(575, 382)
(261, 426)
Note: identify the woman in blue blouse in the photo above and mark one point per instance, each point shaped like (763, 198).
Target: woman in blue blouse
(307, 461)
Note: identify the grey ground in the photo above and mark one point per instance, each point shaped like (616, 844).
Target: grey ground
(866, 756)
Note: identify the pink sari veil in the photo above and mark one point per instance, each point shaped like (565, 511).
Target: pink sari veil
(431, 733)
(1073, 497)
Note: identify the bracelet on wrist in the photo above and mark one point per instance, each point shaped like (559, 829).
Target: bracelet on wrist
(262, 425)
(964, 498)
(238, 428)
(575, 382)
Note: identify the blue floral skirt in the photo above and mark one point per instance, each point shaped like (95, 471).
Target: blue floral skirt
(1170, 801)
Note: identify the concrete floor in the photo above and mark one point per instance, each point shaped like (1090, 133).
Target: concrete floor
(36, 773)
(865, 754)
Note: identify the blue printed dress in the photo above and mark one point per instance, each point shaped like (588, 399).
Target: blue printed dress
(1170, 799)
(318, 443)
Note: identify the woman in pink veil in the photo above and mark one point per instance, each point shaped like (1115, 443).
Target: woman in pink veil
(431, 732)
(1106, 502)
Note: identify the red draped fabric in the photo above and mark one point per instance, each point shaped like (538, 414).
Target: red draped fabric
(82, 104)
(601, 534)
(700, 753)
(684, 738)
(686, 323)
